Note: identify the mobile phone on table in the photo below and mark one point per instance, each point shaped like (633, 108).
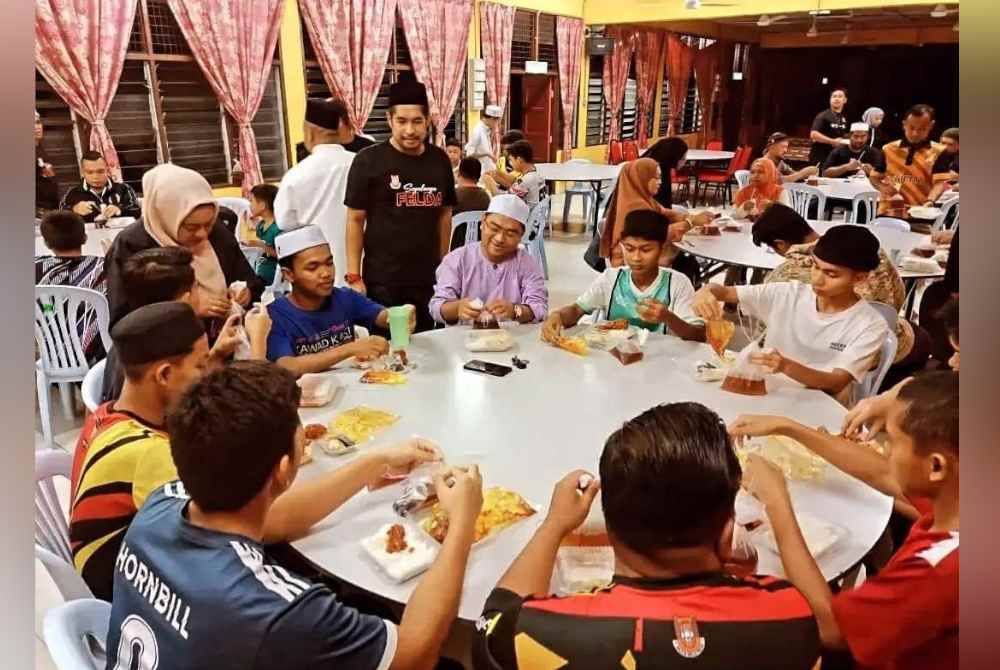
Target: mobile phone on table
(493, 369)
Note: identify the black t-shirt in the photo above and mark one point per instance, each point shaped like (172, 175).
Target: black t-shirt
(951, 272)
(843, 154)
(358, 143)
(706, 621)
(831, 124)
(402, 196)
(946, 162)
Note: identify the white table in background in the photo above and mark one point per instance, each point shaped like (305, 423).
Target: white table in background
(733, 248)
(842, 188)
(593, 173)
(530, 428)
(694, 155)
(92, 247)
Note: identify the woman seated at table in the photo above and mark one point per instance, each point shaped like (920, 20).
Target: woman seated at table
(179, 210)
(822, 335)
(643, 293)
(789, 235)
(764, 188)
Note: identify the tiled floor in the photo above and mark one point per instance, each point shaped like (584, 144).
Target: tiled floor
(568, 277)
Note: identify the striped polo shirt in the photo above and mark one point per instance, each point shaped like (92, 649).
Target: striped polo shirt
(912, 167)
(704, 621)
(119, 460)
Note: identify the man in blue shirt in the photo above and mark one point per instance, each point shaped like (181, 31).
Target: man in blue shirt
(193, 586)
(312, 328)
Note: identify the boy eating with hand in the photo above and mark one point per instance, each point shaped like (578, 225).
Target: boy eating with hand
(643, 293)
(822, 334)
(906, 616)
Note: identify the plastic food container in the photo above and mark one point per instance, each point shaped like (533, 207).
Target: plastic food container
(415, 558)
(582, 569)
(820, 536)
(317, 389)
(488, 340)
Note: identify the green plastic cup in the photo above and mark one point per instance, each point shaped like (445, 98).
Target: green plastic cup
(399, 326)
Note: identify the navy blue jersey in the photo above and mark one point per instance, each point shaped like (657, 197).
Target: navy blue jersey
(187, 597)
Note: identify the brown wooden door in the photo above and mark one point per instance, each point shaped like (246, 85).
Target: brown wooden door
(538, 122)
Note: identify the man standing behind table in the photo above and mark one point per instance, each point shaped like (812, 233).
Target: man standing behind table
(480, 145)
(910, 161)
(849, 159)
(829, 127)
(98, 194)
(400, 194)
(495, 271)
(312, 192)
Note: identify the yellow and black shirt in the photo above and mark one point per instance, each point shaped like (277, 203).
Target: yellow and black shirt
(701, 621)
(119, 461)
(912, 167)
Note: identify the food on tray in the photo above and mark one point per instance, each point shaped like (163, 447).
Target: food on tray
(718, 333)
(488, 340)
(361, 422)
(400, 550)
(501, 508)
(383, 377)
(574, 345)
(617, 324)
(791, 456)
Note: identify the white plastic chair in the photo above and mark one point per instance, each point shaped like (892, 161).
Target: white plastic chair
(471, 221)
(802, 196)
(52, 526)
(742, 178)
(252, 254)
(942, 218)
(71, 630)
(93, 386)
(866, 202)
(891, 223)
(578, 188)
(60, 312)
(869, 386)
(888, 312)
(533, 240)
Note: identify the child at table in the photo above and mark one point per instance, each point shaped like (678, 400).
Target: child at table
(906, 616)
(645, 294)
(262, 208)
(822, 334)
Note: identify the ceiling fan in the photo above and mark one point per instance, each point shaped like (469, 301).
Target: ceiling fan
(764, 21)
(698, 4)
(940, 12)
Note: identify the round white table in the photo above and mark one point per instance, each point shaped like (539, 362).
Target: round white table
(593, 173)
(707, 155)
(92, 247)
(529, 429)
(732, 248)
(841, 188)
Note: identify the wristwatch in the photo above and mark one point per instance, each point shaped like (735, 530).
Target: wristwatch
(352, 278)
(518, 312)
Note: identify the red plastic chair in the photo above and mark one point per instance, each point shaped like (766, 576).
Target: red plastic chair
(615, 153)
(630, 150)
(721, 179)
(747, 158)
(714, 145)
(683, 180)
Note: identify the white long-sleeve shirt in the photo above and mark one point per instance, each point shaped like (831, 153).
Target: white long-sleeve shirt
(480, 146)
(312, 192)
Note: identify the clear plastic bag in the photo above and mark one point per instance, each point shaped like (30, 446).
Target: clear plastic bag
(243, 351)
(744, 376)
(317, 389)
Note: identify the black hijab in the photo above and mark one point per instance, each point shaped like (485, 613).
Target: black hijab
(668, 152)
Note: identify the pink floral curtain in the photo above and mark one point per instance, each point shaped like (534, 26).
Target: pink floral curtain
(616, 68)
(496, 28)
(80, 49)
(569, 41)
(680, 58)
(351, 39)
(648, 67)
(233, 42)
(437, 32)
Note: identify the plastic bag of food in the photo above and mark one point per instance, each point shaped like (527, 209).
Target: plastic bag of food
(744, 376)
(627, 352)
(492, 340)
(317, 389)
(418, 493)
(718, 333)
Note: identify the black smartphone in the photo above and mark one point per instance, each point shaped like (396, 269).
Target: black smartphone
(488, 368)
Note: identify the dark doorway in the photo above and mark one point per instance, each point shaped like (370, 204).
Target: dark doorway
(539, 115)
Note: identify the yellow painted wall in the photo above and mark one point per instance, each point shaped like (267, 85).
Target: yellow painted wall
(634, 11)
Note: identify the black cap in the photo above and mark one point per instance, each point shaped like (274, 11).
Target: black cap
(323, 113)
(849, 246)
(408, 93)
(646, 225)
(155, 332)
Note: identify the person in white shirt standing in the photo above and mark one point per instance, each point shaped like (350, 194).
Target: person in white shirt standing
(823, 336)
(312, 192)
(480, 145)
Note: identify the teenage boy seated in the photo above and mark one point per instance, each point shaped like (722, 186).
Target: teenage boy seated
(193, 585)
(668, 481)
(313, 326)
(647, 295)
(123, 453)
(821, 334)
(165, 274)
(906, 616)
(529, 186)
(788, 234)
(470, 196)
(495, 271)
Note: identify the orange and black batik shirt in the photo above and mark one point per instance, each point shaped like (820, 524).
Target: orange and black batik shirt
(697, 622)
